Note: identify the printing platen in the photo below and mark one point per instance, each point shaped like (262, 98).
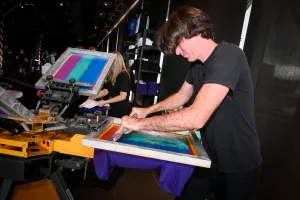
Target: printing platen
(168, 146)
(180, 147)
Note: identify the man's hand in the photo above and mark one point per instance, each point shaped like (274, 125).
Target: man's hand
(101, 103)
(129, 124)
(140, 112)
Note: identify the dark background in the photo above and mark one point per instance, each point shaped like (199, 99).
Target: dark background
(272, 47)
(60, 23)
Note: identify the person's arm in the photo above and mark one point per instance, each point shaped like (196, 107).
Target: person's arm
(194, 117)
(102, 93)
(121, 97)
(123, 82)
(223, 76)
(176, 100)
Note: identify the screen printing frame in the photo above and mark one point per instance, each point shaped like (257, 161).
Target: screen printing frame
(201, 160)
(64, 57)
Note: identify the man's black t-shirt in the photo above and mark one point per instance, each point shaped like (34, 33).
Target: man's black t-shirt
(122, 84)
(229, 136)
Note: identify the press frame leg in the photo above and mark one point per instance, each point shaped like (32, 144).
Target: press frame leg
(61, 187)
(5, 189)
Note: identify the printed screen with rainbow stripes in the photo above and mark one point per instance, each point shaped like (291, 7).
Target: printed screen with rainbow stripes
(162, 141)
(83, 68)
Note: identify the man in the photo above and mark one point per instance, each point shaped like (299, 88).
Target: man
(223, 109)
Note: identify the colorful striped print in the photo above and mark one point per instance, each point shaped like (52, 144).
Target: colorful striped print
(83, 68)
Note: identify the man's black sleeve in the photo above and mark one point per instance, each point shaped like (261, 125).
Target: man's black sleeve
(226, 67)
(189, 77)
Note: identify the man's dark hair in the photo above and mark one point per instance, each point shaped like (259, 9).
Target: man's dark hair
(186, 22)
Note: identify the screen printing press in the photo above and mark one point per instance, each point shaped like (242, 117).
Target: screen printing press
(33, 143)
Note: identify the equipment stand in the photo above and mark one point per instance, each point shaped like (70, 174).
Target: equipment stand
(60, 184)
(6, 188)
(14, 169)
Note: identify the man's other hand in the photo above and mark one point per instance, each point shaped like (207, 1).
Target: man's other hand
(129, 124)
(140, 112)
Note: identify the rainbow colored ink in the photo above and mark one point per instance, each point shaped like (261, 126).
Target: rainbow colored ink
(178, 145)
(83, 68)
(166, 142)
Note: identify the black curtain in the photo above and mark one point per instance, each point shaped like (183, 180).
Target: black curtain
(122, 35)
(20, 39)
(157, 10)
(113, 40)
(273, 49)
(227, 17)
(104, 45)
(75, 9)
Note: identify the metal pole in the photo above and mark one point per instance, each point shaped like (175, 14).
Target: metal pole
(38, 51)
(142, 6)
(161, 59)
(12, 9)
(1, 45)
(117, 41)
(119, 21)
(107, 45)
(168, 10)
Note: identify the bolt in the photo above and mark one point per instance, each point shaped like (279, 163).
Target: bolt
(22, 154)
(23, 145)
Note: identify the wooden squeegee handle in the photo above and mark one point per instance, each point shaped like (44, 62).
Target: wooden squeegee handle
(117, 136)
